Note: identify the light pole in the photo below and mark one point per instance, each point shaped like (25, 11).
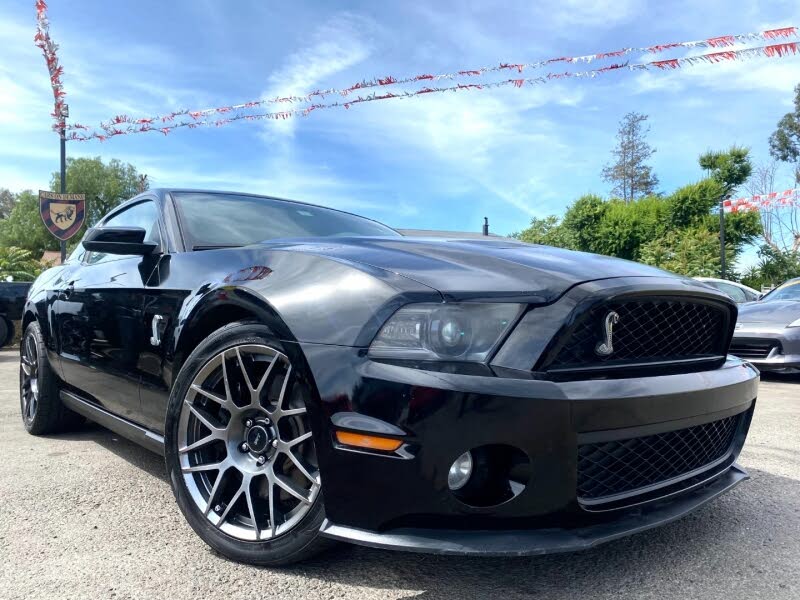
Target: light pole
(63, 140)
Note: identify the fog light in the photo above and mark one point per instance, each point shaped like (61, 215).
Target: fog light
(460, 471)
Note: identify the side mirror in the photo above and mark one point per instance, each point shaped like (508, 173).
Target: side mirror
(118, 240)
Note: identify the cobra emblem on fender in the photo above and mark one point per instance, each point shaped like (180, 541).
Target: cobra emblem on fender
(606, 347)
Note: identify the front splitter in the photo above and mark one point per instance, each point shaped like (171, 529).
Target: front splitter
(538, 541)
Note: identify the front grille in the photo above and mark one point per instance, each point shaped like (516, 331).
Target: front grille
(648, 330)
(753, 348)
(622, 466)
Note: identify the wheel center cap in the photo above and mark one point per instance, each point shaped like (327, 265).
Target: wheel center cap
(258, 438)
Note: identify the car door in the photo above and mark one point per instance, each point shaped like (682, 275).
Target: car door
(100, 321)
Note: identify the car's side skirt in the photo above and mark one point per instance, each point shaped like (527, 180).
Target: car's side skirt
(135, 433)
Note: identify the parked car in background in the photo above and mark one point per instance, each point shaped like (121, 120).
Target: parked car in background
(312, 375)
(738, 291)
(768, 331)
(12, 302)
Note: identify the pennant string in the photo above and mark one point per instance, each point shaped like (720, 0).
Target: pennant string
(193, 121)
(49, 49)
(774, 200)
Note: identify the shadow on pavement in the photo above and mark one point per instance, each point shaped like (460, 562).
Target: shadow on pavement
(147, 461)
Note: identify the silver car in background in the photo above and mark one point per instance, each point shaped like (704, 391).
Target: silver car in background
(739, 292)
(767, 332)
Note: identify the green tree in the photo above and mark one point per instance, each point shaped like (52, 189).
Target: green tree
(24, 227)
(784, 143)
(582, 220)
(548, 231)
(691, 203)
(625, 227)
(7, 200)
(630, 174)
(105, 185)
(693, 252)
(773, 268)
(18, 264)
(731, 168)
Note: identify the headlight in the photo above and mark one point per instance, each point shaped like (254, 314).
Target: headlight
(463, 332)
(794, 323)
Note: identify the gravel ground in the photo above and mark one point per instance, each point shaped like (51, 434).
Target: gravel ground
(90, 515)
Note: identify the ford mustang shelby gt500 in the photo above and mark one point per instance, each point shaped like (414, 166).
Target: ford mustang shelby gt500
(311, 375)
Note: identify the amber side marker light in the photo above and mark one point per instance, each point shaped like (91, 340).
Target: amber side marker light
(373, 442)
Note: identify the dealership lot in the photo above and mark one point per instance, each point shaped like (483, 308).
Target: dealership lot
(90, 515)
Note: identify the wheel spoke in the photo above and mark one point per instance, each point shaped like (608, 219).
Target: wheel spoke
(249, 498)
(272, 523)
(291, 489)
(211, 396)
(266, 375)
(200, 443)
(294, 411)
(218, 466)
(228, 394)
(298, 440)
(302, 468)
(26, 367)
(202, 418)
(228, 508)
(244, 370)
(212, 495)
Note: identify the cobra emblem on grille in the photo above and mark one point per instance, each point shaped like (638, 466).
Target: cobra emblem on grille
(606, 347)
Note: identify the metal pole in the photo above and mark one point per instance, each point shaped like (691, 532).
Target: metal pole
(63, 141)
(722, 235)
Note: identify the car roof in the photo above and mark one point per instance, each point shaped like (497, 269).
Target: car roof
(719, 280)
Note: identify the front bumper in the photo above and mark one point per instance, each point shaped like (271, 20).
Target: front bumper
(403, 500)
(785, 357)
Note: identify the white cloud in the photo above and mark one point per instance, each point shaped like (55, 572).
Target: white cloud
(335, 46)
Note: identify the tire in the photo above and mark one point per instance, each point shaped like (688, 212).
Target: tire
(6, 331)
(40, 405)
(239, 386)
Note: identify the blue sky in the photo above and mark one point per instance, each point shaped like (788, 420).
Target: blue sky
(438, 162)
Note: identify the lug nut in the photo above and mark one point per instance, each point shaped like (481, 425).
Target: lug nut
(266, 420)
(248, 423)
(218, 508)
(262, 460)
(274, 443)
(244, 447)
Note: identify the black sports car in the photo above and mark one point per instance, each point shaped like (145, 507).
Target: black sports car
(312, 375)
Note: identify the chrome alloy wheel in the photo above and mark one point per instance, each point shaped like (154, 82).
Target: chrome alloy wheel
(244, 444)
(29, 362)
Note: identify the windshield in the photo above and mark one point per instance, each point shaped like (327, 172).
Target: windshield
(788, 291)
(214, 220)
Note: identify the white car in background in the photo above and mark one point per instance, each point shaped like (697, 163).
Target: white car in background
(739, 292)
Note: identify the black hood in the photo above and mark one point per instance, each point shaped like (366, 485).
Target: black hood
(461, 269)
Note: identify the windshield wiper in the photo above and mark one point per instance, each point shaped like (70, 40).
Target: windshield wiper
(215, 247)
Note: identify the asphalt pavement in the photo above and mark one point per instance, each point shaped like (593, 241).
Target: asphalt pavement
(91, 515)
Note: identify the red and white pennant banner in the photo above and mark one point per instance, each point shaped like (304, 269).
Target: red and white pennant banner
(50, 49)
(123, 125)
(773, 200)
(185, 118)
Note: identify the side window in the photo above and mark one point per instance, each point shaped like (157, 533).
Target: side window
(144, 214)
(733, 291)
